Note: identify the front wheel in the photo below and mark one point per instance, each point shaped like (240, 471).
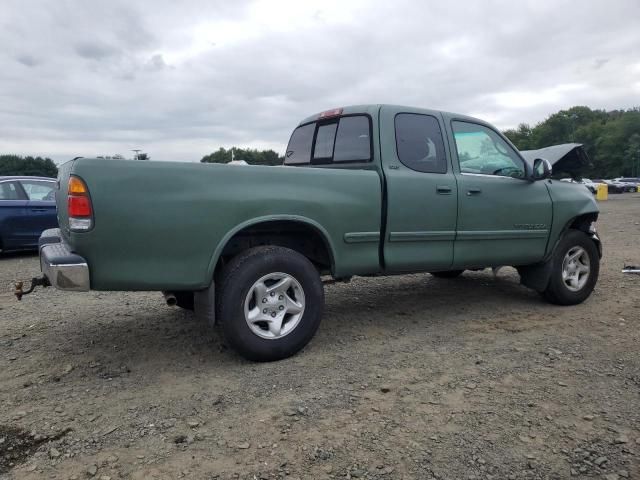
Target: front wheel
(271, 303)
(576, 264)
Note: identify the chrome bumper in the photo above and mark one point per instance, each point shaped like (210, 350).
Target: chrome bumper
(64, 269)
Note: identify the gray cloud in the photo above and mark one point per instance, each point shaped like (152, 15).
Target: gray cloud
(27, 60)
(181, 79)
(96, 51)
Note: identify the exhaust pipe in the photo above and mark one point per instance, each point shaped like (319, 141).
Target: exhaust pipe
(170, 298)
(631, 269)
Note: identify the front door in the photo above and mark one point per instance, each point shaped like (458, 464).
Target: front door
(421, 191)
(503, 217)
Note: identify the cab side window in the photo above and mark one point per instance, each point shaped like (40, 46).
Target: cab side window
(419, 143)
(483, 151)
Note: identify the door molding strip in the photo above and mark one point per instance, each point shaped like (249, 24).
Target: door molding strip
(422, 236)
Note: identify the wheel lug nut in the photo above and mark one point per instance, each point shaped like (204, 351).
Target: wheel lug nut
(281, 297)
(273, 314)
(273, 294)
(264, 300)
(264, 311)
(281, 307)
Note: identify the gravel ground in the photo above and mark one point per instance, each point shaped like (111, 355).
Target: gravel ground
(408, 377)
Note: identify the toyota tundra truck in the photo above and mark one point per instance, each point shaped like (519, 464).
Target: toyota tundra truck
(364, 190)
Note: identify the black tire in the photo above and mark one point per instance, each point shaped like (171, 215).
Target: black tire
(447, 274)
(557, 291)
(239, 277)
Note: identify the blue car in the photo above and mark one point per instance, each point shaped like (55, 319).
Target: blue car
(27, 207)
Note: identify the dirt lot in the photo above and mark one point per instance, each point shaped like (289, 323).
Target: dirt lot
(408, 377)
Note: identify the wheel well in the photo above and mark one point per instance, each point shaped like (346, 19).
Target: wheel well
(583, 222)
(298, 236)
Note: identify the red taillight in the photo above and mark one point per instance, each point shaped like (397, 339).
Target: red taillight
(79, 205)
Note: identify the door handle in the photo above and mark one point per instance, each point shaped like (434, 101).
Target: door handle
(443, 189)
(39, 210)
(473, 191)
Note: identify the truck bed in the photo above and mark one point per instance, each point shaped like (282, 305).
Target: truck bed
(193, 209)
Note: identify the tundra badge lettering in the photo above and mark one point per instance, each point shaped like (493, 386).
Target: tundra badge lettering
(529, 226)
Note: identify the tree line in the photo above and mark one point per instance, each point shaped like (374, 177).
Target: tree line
(250, 155)
(611, 139)
(32, 166)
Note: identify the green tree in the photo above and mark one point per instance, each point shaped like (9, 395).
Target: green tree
(520, 136)
(36, 166)
(250, 155)
(609, 138)
(633, 154)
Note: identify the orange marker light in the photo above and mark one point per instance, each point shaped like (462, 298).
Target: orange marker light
(77, 186)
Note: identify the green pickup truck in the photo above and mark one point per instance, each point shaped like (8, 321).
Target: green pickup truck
(364, 190)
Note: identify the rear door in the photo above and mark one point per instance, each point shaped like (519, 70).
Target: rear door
(421, 191)
(41, 208)
(13, 213)
(503, 217)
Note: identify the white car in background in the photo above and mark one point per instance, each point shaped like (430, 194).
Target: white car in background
(612, 186)
(630, 184)
(592, 186)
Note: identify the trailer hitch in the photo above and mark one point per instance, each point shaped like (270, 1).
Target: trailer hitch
(35, 282)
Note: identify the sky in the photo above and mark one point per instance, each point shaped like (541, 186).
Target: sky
(181, 79)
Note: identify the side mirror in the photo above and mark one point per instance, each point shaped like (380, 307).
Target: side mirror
(541, 169)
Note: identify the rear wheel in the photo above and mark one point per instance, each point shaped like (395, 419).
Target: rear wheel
(271, 303)
(576, 265)
(447, 274)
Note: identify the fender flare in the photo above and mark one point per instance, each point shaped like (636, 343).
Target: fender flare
(537, 276)
(215, 257)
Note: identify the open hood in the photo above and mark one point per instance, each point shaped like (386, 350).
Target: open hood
(567, 159)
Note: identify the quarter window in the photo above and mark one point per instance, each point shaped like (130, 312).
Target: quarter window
(481, 150)
(419, 143)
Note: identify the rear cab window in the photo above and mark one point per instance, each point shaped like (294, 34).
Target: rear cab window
(334, 141)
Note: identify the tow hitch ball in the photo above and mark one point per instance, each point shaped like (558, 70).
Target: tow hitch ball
(35, 281)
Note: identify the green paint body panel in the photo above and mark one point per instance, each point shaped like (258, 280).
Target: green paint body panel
(163, 225)
(421, 223)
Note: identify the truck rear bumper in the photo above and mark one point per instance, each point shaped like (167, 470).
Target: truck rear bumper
(64, 269)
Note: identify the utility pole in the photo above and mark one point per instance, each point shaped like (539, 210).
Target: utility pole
(574, 117)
